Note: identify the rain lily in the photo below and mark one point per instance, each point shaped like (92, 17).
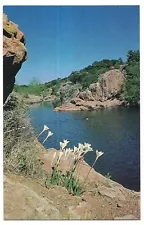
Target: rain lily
(80, 146)
(48, 135)
(98, 154)
(83, 149)
(87, 145)
(63, 144)
(75, 149)
(44, 129)
(66, 142)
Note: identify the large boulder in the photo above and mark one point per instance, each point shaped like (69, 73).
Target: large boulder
(108, 86)
(14, 54)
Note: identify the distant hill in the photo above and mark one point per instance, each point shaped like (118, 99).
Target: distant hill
(79, 81)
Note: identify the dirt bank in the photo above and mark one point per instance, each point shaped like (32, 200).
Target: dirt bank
(27, 198)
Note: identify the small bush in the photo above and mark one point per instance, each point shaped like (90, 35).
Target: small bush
(20, 152)
(23, 159)
(108, 180)
(56, 103)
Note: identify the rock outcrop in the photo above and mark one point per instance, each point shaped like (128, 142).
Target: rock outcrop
(14, 54)
(105, 93)
(108, 86)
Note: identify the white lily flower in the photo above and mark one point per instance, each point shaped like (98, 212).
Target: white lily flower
(48, 135)
(80, 146)
(75, 149)
(87, 145)
(54, 155)
(45, 127)
(63, 144)
(98, 154)
(89, 150)
(66, 142)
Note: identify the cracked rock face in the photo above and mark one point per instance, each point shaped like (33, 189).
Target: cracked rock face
(14, 54)
(108, 86)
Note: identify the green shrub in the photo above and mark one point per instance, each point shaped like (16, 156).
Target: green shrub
(131, 89)
(20, 152)
(55, 90)
(34, 88)
(56, 103)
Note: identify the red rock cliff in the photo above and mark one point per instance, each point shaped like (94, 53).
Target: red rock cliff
(14, 54)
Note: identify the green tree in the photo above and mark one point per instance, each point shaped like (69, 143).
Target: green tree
(132, 85)
(133, 56)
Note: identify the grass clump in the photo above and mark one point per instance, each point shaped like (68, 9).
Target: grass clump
(108, 180)
(20, 151)
(34, 88)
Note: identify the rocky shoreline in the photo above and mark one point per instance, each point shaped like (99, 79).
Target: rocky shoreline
(81, 105)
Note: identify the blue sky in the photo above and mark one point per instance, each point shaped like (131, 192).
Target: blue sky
(62, 39)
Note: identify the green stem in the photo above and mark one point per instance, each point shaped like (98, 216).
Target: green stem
(79, 165)
(90, 170)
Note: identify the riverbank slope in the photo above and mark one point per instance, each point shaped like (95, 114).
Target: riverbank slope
(102, 199)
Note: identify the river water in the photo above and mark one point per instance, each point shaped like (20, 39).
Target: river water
(114, 131)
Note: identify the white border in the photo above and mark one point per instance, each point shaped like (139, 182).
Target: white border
(72, 2)
(78, 2)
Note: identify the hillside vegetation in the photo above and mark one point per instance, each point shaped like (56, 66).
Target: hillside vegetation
(90, 74)
(131, 91)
